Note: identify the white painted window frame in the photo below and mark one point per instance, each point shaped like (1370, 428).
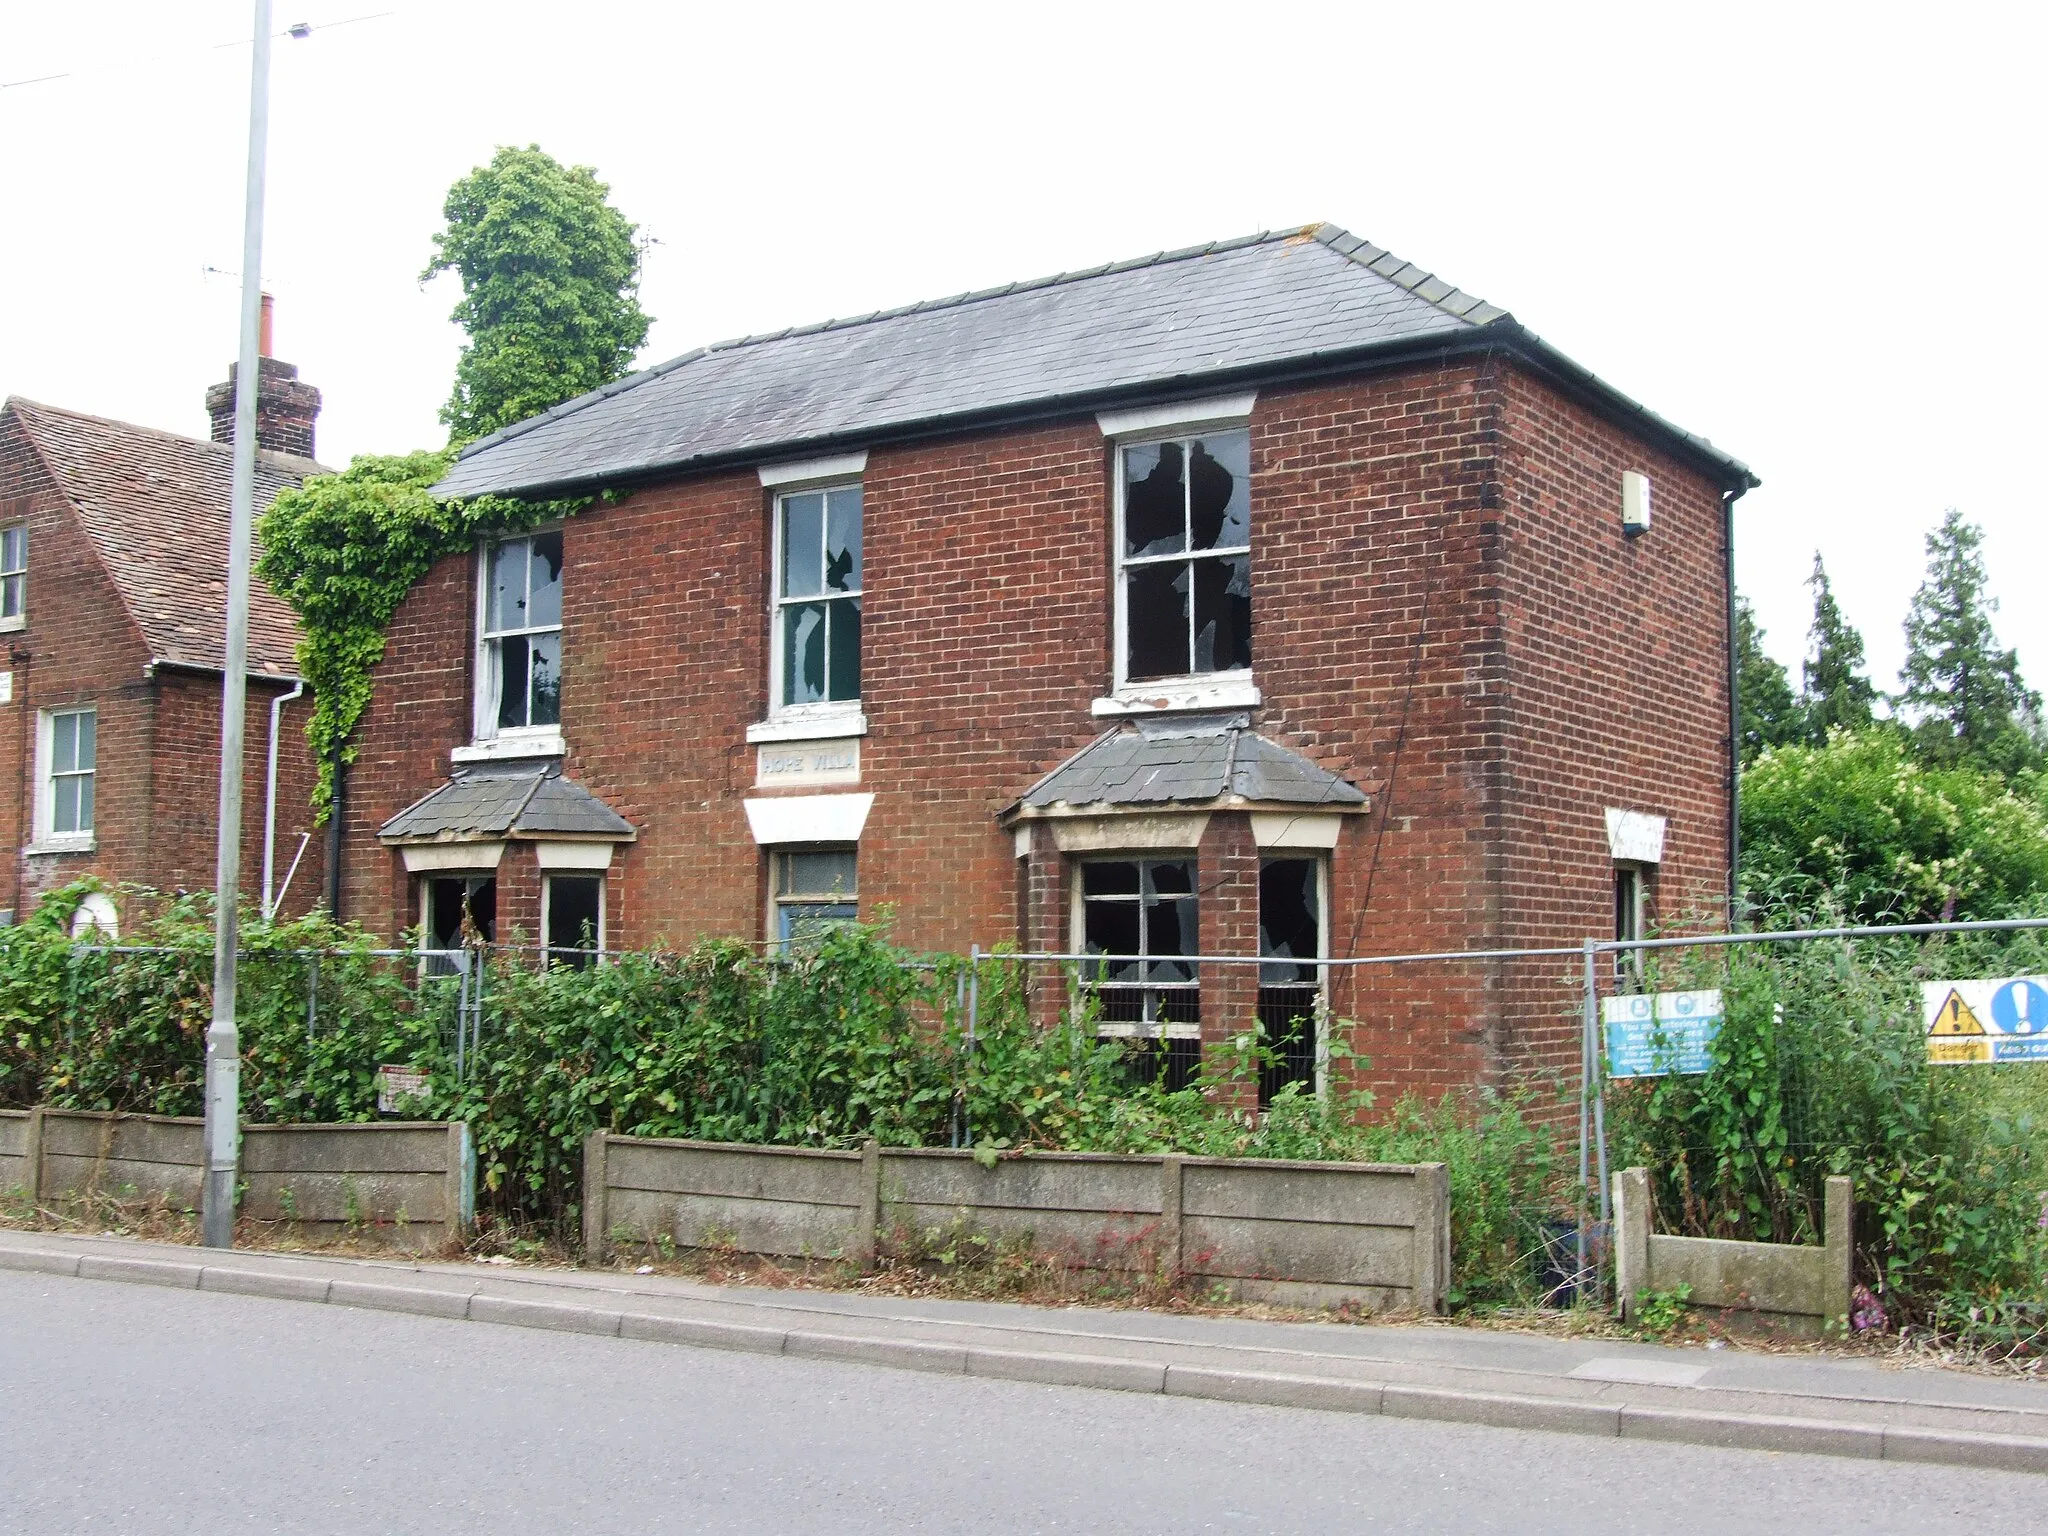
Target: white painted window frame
(47, 839)
(547, 899)
(777, 854)
(1233, 688)
(17, 575)
(1077, 921)
(487, 740)
(837, 717)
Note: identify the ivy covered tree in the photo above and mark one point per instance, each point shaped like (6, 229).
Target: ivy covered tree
(1763, 693)
(1963, 692)
(1834, 693)
(550, 281)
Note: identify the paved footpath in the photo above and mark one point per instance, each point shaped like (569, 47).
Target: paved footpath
(1600, 1387)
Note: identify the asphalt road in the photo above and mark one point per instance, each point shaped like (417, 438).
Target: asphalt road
(127, 1408)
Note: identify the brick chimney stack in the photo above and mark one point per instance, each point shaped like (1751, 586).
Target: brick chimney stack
(285, 408)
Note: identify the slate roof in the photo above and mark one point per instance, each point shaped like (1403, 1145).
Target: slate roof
(522, 800)
(1231, 310)
(1190, 760)
(155, 507)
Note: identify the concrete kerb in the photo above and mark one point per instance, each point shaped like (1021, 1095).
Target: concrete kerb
(1050, 1367)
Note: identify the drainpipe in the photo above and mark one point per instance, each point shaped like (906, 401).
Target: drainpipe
(335, 811)
(1734, 719)
(270, 792)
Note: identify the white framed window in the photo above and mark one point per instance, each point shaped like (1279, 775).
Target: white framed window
(1183, 559)
(572, 917)
(519, 639)
(1143, 916)
(814, 647)
(14, 576)
(815, 890)
(1294, 938)
(457, 912)
(1631, 902)
(67, 750)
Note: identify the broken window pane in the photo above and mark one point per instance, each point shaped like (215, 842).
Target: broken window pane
(1111, 928)
(544, 581)
(544, 655)
(803, 544)
(1290, 920)
(512, 682)
(842, 540)
(1109, 879)
(843, 681)
(574, 906)
(1156, 620)
(508, 585)
(1223, 613)
(803, 653)
(1219, 491)
(1155, 500)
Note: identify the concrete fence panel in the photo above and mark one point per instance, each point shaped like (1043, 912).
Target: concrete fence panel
(13, 1148)
(1298, 1233)
(412, 1183)
(1794, 1285)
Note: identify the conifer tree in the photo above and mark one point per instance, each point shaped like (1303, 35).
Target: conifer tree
(1763, 693)
(1833, 692)
(1964, 693)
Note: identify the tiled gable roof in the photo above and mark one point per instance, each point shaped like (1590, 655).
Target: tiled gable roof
(507, 800)
(1135, 329)
(155, 506)
(1188, 760)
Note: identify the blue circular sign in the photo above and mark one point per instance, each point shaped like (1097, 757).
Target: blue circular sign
(2020, 1008)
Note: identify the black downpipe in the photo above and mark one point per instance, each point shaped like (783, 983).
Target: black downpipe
(335, 812)
(1728, 499)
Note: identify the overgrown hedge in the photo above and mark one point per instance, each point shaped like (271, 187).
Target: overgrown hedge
(849, 1040)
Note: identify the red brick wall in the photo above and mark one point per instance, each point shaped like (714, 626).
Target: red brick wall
(1393, 516)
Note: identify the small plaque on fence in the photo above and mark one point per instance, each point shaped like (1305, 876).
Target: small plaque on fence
(1971, 1023)
(1657, 1034)
(397, 1084)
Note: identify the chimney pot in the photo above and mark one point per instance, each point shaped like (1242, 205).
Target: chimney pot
(263, 329)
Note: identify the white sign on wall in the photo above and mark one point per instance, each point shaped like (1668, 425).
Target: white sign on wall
(1635, 837)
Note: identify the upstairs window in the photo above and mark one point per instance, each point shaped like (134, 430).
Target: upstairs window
(521, 672)
(817, 599)
(13, 574)
(1184, 562)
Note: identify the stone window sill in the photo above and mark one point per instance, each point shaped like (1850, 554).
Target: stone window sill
(830, 727)
(1178, 694)
(50, 845)
(503, 748)
(16, 621)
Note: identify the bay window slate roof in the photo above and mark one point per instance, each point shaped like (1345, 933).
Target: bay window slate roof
(155, 507)
(1232, 309)
(507, 800)
(1190, 760)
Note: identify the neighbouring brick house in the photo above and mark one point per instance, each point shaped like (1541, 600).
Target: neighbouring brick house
(113, 539)
(1272, 597)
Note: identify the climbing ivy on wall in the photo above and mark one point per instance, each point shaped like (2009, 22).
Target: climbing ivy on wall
(343, 550)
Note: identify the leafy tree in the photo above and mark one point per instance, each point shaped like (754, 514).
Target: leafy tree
(1763, 694)
(550, 278)
(1966, 692)
(1834, 692)
(1857, 825)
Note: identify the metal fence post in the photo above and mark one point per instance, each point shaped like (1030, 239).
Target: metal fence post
(973, 1021)
(1588, 1044)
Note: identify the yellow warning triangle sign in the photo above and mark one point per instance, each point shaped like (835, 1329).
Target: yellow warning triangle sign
(1955, 1017)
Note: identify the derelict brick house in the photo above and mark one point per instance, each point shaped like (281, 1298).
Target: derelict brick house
(113, 557)
(1269, 597)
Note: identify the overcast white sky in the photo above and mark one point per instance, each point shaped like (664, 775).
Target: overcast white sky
(1810, 233)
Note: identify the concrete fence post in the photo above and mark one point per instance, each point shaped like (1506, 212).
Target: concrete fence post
(1431, 1256)
(1839, 1217)
(1171, 1207)
(868, 1233)
(596, 1225)
(1631, 1237)
(32, 1157)
(460, 1189)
